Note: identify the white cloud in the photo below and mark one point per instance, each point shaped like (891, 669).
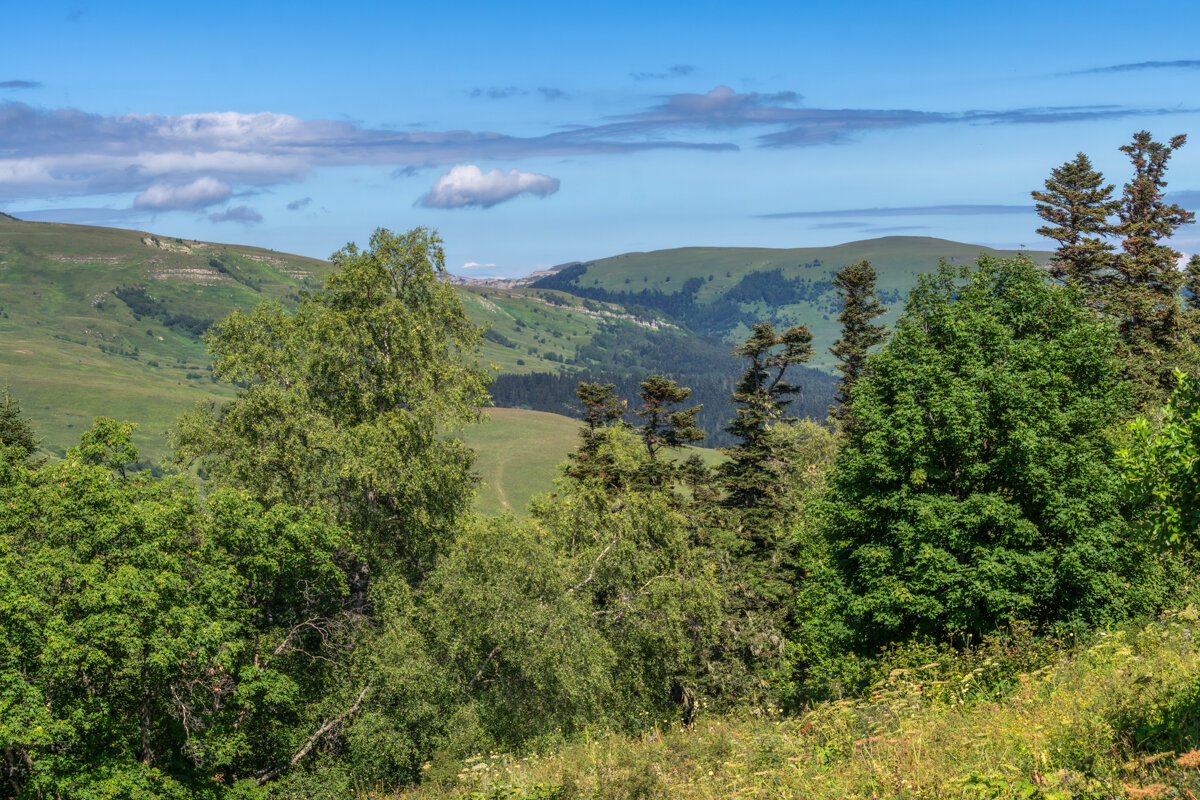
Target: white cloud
(475, 265)
(243, 214)
(468, 185)
(199, 193)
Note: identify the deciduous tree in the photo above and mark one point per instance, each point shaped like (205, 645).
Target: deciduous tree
(346, 401)
(979, 484)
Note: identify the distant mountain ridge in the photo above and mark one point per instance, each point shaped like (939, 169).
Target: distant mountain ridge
(107, 321)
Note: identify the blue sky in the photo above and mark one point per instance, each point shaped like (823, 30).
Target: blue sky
(531, 134)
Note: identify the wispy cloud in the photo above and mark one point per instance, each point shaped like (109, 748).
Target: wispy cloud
(67, 152)
(550, 94)
(243, 214)
(296, 205)
(1139, 66)
(467, 185)
(799, 126)
(197, 194)
(497, 92)
(20, 84)
(475, 265)
(903, 211)
(675, 71)
(62, 152)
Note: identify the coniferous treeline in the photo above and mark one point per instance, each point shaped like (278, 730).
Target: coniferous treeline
(554, 392)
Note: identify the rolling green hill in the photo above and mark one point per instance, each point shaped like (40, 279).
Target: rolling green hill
(104, 321)
(720, 291)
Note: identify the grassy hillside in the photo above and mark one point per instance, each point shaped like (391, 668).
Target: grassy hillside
(106, 321)
(102, 321)
(727, 296)
(538, 330)
(519, 454)
(1117, 719)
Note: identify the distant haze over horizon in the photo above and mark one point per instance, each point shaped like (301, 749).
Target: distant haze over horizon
(532, 136)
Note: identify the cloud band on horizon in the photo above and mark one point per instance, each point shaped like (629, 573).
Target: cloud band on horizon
(67, 152)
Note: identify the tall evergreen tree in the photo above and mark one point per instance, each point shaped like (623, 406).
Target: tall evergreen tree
(856, 287)
(1139, 286)
(756, 474)
(602, 409)
(1154, 332)
(1077, 205)
(664, 425)
(15, 429)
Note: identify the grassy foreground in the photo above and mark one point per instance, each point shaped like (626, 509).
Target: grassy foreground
(1118, 718)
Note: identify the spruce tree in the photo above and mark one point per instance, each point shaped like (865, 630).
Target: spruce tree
(756, 475)
(1191, 282)
(1155, 334)
(15, 429)
(601, 410)
(1077, 205)
(1138, 286)
(856, 287)
(664, 425)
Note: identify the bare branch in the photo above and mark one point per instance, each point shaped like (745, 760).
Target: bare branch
(328, 727)
(591, 574)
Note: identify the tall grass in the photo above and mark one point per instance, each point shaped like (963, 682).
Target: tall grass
(1119, 717)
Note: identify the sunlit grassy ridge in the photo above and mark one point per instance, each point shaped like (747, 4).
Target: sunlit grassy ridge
(104, 321)
(897, 260)
(72, 350)
(1119, 717)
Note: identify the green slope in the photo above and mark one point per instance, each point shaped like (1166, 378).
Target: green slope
(102, 321)
(72, 349)
(715, 272)
(539, 330)
(519, 453)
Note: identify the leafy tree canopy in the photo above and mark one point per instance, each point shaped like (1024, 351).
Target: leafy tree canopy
(344, 403)
(152, 645)
(980, 485)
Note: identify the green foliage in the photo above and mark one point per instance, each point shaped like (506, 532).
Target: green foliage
(756, 477)
(1094, 720)
(15, 429)
(1077, 205)
(980, 486)
(592, 460)
(346, 401)
(1162, 465)
(1138, 287)
(665, 426)
(856, 288)
(152, 645)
